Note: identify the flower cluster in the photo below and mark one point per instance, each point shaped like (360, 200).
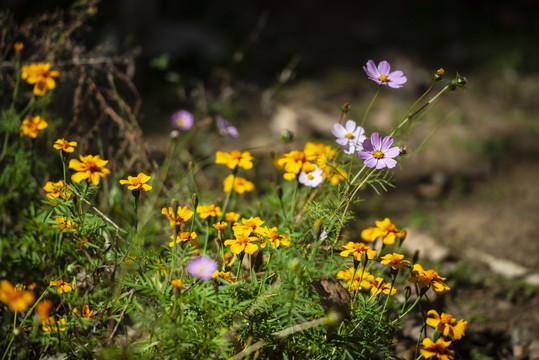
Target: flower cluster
(15, 297)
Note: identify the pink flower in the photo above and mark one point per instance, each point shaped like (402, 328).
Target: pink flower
(378, 153)
(226, 129)
(202, 268)
(382, 76)
(182, 120)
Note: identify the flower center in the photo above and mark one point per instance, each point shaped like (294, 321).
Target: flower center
(310, 177)
(382, 78)
(349, 136)
(378, 154)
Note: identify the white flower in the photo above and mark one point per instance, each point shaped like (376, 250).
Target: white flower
(350, 136)
(312, 179)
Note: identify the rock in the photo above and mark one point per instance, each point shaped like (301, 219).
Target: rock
(428, 248)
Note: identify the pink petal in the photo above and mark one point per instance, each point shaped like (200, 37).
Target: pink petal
(390, 163)
(376, 141)
(372, 162)
(386, 143)
(384, 67)
(338, 131)
(367, 145)
(391, 153)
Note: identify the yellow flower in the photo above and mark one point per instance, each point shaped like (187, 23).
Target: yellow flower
(51, 324)
(234, 159)
(86, 312)
(384, 230)
(224, 275)
(395, 260)
(65, 224)
(336, 175)
(293, 163)
(209, 211)
(232, 216)
(138, 182)
(275, 239)
(366, 281)
(16, 298)
(220, 226)
(61, 286)
(65, 146)
(56, 190)
(18, 48)
(428, 278)
(379, 286)
(160, 267)
(240, 184)
(43, 309)
(357, 249)
(177, 283)
(253, 224)
(438, 349)
(90, 167)
(447, 325)
(31, 127)
(320, 154)
(183, 237)
(40, 75)
(182, 215)
(242, 242)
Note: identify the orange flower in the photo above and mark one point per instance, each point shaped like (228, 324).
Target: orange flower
(182, 215)
(61, 286)
(183, 237)
(17, 299)
(447, 325)
(90, 167)
(384, 230)
(380, 286)
(18, 48)
(40, 75)
(238, 184)
(366, 280)
(396, 260)
(138, 182)
(428, 278)
(51, 324)
(65, 146)
(438, 349)
(357, 249)
(31, 127)
(211, 210)
(232, 216)
(177, 283)
(65, 224)
(275, 239)
(224, 275)
(234, 159)
(220, 226)
(86, 312)
(56, 190)
(43, 309)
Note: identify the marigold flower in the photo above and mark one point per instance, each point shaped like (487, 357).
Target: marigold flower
(206, 211)
(40, 75)
(18, 46)
(232, 217)
(382, 75)
(311, 179)
(220, 226)
(293, 163)
(320, 154)
(350, 136)
(65, 224)
(16, 298)
(52, 325)
(428, 278)
(336, 175)
(177, 283)
(243, 242)
(395, 260)
(31, 127)
(384, 230)
(446, 325)
(138, 182)
(357, 249)
(380, 286)
(56, 190)
(65, 146)
(183, 237)
(182, 120)
(61, 286)
(439, 349)
(224, 275)
(86, 312)
(253, 224)
(366, 280)
(234, 159)
(237, 184)
(377, 153)
(160, 267)
(182, 215)
(43, 309)
(201, 268)
(90, 167)
(274, 238)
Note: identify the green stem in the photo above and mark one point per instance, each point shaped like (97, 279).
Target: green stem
(370, 106)
(393, 277)
(227, 199)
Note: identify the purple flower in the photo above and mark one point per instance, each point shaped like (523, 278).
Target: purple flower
(182, 120)
(382, 76)
(226, 128)
(349, 136)
(202, 268)
(378, 153)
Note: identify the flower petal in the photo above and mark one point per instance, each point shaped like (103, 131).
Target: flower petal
(376, 141)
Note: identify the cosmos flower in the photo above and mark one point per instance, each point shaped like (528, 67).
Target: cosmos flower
(382, 76)
(201, 268)
(312, 178)
(377, 153)
(226, 129)
(182, 120)
(350, 136)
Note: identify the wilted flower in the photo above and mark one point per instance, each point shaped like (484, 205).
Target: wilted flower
(382, 76)
(377, 153)
(31, 127)
(18, 48)
(312, 178)
(182, 120)
(16, 298)
(350, 136)
(202, 268)
(90, 167)
(40, 75)
(226, 129)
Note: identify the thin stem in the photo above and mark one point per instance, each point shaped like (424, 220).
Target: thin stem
(370, 106)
